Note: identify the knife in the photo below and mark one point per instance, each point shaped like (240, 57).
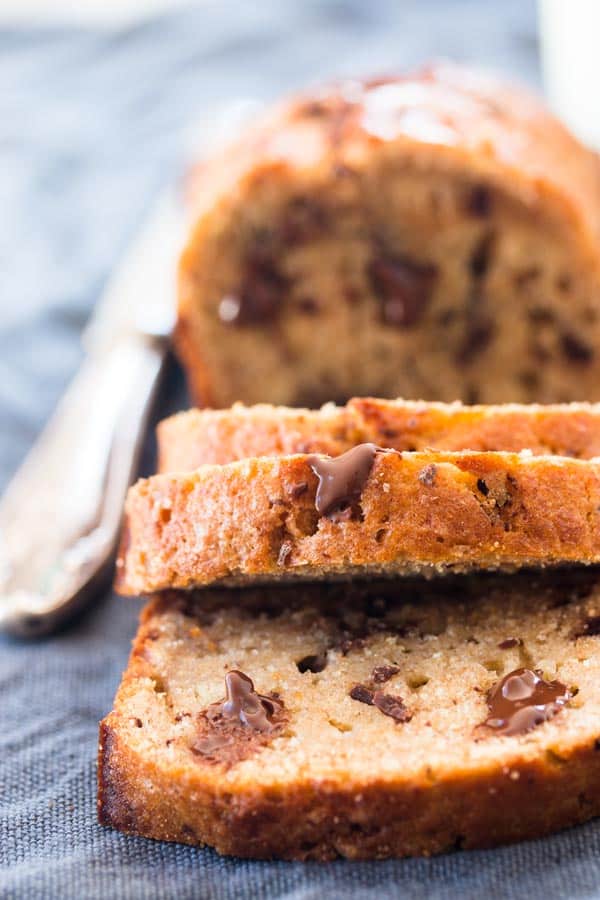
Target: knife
(60, 515)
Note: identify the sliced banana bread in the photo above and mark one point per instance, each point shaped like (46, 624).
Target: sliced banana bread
(434, 235)
(393, 720)
(190, 439)
(367, 512)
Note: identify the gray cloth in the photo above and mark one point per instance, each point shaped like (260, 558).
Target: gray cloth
(91, 124)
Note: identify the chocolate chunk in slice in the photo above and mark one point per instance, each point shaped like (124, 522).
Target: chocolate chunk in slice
(233, 729)
(362, 693)
(341, 480)
(522, 700)
(391, 706)
(260, 296)
(575, 350)
(404, 289)
(381, 674)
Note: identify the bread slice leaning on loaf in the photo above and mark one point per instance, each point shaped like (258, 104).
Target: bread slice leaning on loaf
(432, 235)
(367, 512)
(372, 727)
(190, 439)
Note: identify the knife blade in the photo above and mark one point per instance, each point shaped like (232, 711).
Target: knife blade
(60, 515)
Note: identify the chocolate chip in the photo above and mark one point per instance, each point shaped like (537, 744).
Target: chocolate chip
(564, 283)
(522, 700)
(232, 729)
(404, 289)
(482, 487)
(391, 706)
(479, 201)
(380, 674)
(362, 694)
(472, 394)
(314, 663)
(260, 295)
(576, 350)
(539, 315)
(481, 256)
(428, 474)
(529, 380)
(597, 744)
(477, 338)
(308, 306)
(341, 480)
(351, 643)
(509, 643)
(304, 220)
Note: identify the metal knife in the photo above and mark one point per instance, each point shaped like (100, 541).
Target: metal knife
(60, 516)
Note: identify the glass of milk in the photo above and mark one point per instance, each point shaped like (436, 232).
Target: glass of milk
(569, 36)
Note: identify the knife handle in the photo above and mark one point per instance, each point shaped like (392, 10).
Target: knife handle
(60, 516)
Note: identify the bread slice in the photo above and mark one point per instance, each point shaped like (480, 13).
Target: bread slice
(368, 739)
(190, 439)
(367, 512)
(434, 235)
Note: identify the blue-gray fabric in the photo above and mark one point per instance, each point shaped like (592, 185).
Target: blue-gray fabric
(92, 123)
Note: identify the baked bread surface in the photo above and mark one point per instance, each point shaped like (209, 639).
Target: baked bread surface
(337, 776)
(259, 519)
(434, 235)
(194, 437)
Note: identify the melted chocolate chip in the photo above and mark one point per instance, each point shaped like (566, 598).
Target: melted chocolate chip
(245, 704)
(380, 674)
(482, 487)
(428, 474)
(341, 480)
(509, 643)
(590, 628)
(404, 289)
(230, 730)
(576, 350)
(522, 700)
(314, 663)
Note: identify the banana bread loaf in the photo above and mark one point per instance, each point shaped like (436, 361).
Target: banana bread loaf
(367, 512)
(190, 439)
(340, 720)
(431, 236)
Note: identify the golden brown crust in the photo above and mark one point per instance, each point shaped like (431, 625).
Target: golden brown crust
(490, 168)
(256, 519)
(191, 439)
(448, 790)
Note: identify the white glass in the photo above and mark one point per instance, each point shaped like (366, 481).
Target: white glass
(570, 51)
